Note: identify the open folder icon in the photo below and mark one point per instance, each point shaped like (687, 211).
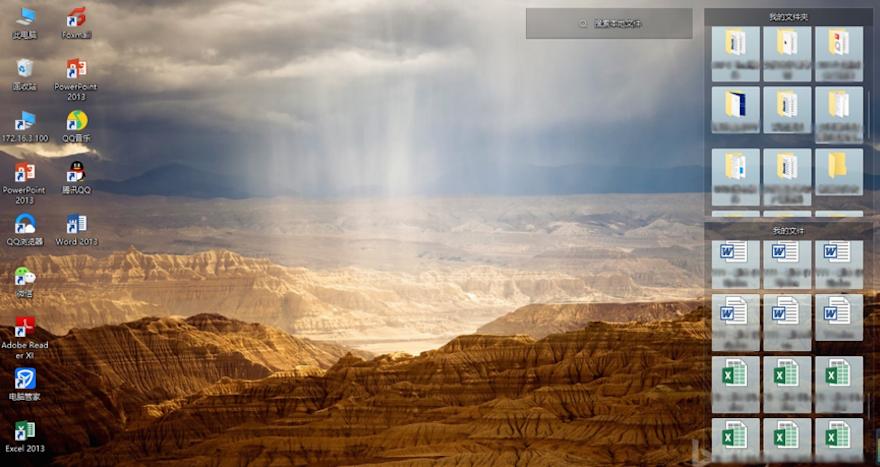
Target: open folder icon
(838, 103)
(838, 41)
(735, 103)
(836, 164)
(786, 103)
(786, 166)
(734, 41)
(735, 165)
(786, 41)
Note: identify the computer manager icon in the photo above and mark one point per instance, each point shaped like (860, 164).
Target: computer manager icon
(25, 378)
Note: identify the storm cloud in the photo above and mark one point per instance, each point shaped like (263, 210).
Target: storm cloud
(330, 97)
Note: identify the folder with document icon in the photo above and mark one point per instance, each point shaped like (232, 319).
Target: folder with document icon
(735, 104)
(838, 41)
(838, 103)
(735, 165)
(786, 103)
(786, 41)
(786, 166)
(734, 41)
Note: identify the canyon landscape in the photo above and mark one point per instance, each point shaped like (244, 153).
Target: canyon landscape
(390, 233)
(208, 390)
(579, 337)
(378, 275)
(402, 343)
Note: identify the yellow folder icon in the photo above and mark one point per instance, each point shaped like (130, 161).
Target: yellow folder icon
(786, 103)
(735, 165)
(735, 103)
(838, 41)
(838, 103)
(786, 166)
(836, 164)
(786, 41)
(734, 41)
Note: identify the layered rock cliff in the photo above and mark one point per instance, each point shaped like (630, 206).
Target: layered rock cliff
(607, 394)
(96, 383)
(633, 393)
(542, 320)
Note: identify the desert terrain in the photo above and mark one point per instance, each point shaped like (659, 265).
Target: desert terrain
(381, 275)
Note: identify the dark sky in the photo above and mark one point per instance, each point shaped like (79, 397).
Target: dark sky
(335, 96)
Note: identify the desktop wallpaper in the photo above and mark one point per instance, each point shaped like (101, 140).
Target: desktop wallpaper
(346, 232)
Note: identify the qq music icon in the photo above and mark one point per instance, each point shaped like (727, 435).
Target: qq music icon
(77, 120)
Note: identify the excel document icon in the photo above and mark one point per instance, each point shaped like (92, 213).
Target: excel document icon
(734, 372)
(734, 435)
(785, 436)
(837, 435)
(786, 372)
(837, 372)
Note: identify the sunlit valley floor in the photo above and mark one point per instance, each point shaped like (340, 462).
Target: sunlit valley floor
(380, 275)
